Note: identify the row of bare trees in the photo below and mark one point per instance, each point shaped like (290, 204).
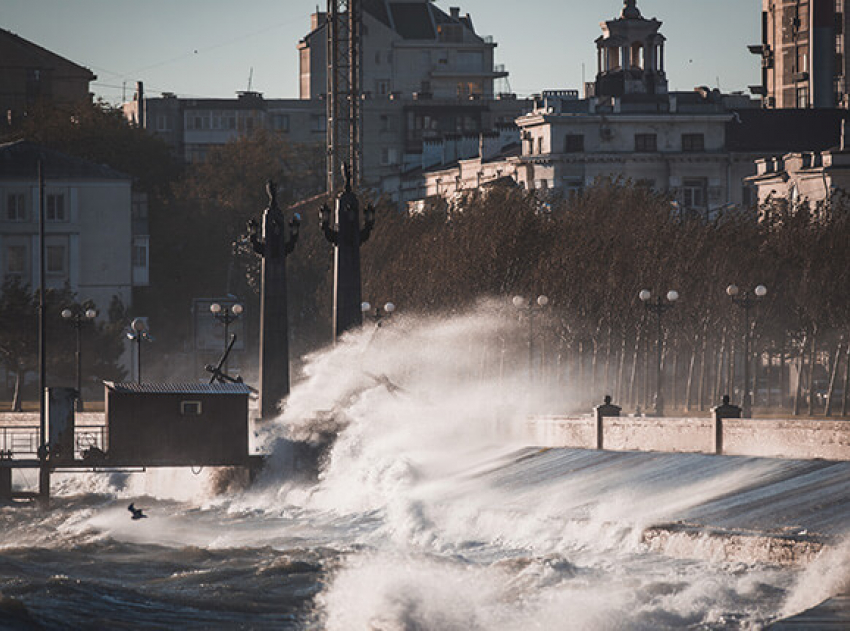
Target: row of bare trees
(592, 257)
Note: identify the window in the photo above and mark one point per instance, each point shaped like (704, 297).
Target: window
(574, 188)
(163, 122)
(55, 210)
(540, 144)
(280, 122)
(389, 156)
(693, 142)
(574, 143)
(382, 87)
(318, 123)
(646, 142)
(57, 260)
(190, 408)
(16, 207)
(140, 251)
(16, 260)
(693, 193)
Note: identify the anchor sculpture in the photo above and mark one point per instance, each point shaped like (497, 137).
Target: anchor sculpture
(217, 371)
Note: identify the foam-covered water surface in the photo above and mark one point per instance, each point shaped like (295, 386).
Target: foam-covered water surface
(428, 513)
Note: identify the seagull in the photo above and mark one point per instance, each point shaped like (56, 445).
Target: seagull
(137, 512)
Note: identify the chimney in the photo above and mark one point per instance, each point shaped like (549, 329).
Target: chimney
(140, 103)
(455, 12)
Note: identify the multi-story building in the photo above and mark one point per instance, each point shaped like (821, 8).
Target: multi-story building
(426, 74)
(696, 146)
(192, 126)
(90, 243)
(803, 53)
(30, 75)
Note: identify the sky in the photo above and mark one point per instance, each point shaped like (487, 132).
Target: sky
(215, 48)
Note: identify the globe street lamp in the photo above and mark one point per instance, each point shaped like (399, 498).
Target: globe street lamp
(139, 331)
(659, 308)
(529, 307)
(77, 316)
(227, 317)
(379, 313)
(746, 300)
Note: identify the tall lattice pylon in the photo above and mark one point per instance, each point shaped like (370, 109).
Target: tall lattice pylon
(343, 94)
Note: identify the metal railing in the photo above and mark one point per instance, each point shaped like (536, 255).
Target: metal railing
(23, 441)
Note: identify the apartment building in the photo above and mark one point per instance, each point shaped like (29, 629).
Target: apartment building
(803, 54)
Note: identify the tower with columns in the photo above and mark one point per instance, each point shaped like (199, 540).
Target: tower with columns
(630, 56)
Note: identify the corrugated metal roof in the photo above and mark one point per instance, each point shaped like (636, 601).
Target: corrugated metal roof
(178, 388)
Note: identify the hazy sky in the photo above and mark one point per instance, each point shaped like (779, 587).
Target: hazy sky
(211, 48)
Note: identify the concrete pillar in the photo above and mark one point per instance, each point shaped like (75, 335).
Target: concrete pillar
(600, 412)
(723, 411)
(274, 245)
(5, 484)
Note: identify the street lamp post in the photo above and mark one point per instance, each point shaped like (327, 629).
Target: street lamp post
(227, 317)
(659, 308)
(528, 307)
(77, 316)
(139, 331)
(746, 300)
(379, 313)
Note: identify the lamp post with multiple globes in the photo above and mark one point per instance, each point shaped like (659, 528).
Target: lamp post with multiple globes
(78, 316)
(659, 308)
(746, 299)
(529, 307)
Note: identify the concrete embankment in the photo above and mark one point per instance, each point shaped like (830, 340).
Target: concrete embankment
(773, 438)
(739, 509)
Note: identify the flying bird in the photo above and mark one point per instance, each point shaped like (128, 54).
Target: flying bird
(137, 512)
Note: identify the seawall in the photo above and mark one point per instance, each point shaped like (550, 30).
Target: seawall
(766, 438)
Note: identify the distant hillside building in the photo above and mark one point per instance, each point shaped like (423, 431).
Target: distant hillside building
(803, 53)
(30, 74)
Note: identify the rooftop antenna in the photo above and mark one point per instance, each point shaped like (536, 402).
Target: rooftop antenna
(250, 78)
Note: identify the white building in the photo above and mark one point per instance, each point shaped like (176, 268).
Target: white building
(812, 177)
(89, 240)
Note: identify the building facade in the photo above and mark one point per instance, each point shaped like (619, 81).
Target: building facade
(803, 53)
(698, 147)
(30, 75)
(426, 75)
(191, 127)
(812, 177)
(88, 211)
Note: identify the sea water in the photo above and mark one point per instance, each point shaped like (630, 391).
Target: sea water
(428, 512)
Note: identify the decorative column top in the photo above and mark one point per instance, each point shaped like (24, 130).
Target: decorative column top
(630, 10)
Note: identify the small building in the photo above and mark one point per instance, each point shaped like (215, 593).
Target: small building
(177, 424)
(31, 75)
